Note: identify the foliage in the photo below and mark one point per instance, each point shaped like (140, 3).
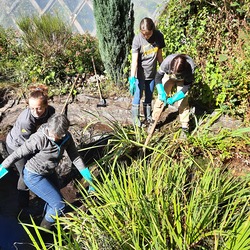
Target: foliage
(176, 195)
(53, 51)
(47, 53)
(114, 24)
(46, 36)
(80, 50)
(216, 35)
(9, 52)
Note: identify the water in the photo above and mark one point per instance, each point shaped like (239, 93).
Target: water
(12, 234)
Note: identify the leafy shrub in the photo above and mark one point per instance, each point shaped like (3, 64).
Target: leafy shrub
(9, 52)
(47, 51)
(80, 50)
(216, 35)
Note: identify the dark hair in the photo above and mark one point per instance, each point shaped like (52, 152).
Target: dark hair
(58, 124)
(147, 24)
(179, 64)
(39, 92)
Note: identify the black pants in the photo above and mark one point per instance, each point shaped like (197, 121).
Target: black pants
(19, 165)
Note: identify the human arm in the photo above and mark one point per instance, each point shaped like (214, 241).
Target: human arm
(21, 130)
(132, 78)
(159, 56)
(29, 147)
(176, 97)
(179, 95)
(78, 162)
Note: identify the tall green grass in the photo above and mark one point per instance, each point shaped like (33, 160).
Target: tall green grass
(167, 198)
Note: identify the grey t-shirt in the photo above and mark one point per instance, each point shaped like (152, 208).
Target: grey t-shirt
(165, 69)
(147, 54)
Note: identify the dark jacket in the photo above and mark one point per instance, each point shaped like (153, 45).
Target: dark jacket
(25, 125)
(45, 153)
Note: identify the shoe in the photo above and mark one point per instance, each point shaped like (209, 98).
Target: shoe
(46, 224)
(184, 133)
(146, 123)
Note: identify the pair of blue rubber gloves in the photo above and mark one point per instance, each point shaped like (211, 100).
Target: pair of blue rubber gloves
(3, 171)
(87, 176)
(163, 96)
(132, 86)
(84, 172)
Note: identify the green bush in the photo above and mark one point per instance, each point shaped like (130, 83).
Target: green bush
(9, 53)
(80, 50)
(47, 51)
(216, 35)
(114, 24)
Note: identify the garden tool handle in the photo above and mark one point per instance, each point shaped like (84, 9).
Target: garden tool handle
(70, 93)
(153, 128)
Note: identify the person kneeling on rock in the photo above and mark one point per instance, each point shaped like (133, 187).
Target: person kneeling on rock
(46, 148)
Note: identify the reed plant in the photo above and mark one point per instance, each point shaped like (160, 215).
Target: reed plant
(165, 198)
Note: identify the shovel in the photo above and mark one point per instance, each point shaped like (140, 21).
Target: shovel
(152, 129)
(102, 102)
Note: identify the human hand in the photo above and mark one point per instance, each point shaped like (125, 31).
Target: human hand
(86, 174)
(3, 171)
(161, 93)
(132, 87)
(91, 189)
(170, 101)
(178, 96)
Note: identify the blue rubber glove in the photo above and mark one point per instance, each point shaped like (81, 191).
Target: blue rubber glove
(132, 87)
(87, 176)
(3, 171)
(161, 93)
(91, 189)
(176, 97)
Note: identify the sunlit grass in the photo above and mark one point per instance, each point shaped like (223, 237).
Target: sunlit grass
(176, 195)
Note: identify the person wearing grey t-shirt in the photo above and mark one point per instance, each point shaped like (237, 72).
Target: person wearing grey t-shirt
(175, 70)
(146, 52)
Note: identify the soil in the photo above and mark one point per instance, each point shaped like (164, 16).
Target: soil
(89, 124)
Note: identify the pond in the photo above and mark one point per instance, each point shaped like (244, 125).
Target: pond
(12, 234)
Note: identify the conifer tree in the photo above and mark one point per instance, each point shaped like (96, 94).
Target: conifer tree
(114, 24)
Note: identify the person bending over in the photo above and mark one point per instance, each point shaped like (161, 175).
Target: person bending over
(27, 123)
(46, 148)
(175, 70)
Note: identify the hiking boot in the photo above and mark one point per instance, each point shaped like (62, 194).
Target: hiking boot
(46, 224)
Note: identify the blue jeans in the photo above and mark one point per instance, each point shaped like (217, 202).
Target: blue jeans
(148, 85)
(44, 188)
